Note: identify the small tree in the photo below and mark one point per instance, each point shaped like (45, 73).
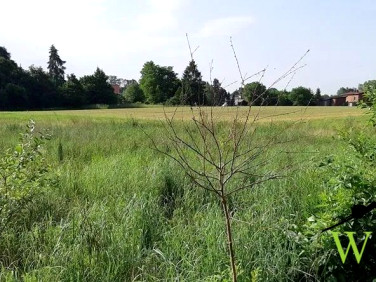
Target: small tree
(222, 161)
(23, 175)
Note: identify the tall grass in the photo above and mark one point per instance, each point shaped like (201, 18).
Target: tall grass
(121, 212)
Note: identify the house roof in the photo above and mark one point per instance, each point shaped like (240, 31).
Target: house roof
(344, 95)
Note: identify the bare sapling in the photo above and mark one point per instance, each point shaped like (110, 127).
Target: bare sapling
(223, 158)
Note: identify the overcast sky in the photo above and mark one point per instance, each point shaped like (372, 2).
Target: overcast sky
(120, 36)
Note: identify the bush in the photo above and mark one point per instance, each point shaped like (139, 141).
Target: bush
(23, 177)
(350, 185)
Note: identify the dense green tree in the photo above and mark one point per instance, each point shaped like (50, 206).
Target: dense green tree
(4, 53)
(56, 68)
(301, 96)
(73, 92)
(42, 90)
(98, 90)
(367, 85)
(317, 98)
(15, 92)
(8, 68)
(369, 89)
(177, 98)
(254, 93)
(192, 86)
(215, 94)
(149, 82)
(37, 89)
(272, 97)
(14, 96)
(284, 98)
(133, 93)
(158, 83)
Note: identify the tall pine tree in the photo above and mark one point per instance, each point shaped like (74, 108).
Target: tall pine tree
(56, 67)
(192, 86)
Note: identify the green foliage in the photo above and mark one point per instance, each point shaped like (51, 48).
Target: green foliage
(158, 83)
(272, 97)
(367, 85)
(4, 53)
(369, 88)
(98, 90)
(56, 68)
(133, 93)
(36, 89)
(23, 172)
(215, 94)
(192, 86)
(73, 92)
(317, 97)
(349, 182)
(254, 93)
(301, 96)
(12, 84)
(43, 92)
(284, 98)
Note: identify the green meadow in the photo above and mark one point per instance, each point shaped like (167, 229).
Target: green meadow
(117, 210)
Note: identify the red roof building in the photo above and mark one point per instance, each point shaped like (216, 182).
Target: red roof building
(116, 88)
(347, 99)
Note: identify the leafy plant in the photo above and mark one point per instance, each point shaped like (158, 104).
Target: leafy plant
(23, 174)
(370, 101)
(350, 186)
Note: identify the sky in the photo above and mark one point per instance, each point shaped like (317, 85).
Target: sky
(120, 36)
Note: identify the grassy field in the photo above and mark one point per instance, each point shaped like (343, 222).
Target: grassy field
(224, 113)
(105, 218)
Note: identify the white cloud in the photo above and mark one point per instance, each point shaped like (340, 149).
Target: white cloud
(225, 26)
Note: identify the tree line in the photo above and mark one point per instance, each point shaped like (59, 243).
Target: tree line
(160, 84)
(35, 88)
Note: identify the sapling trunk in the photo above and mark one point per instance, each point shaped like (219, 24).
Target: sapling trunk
(231, 251)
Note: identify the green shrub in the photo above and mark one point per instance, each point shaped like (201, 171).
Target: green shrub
(350, 183)
(23, 179)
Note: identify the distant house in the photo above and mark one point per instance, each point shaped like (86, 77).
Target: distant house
(353, 98)
(239, 101)
(347, 99)
(116, 88)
